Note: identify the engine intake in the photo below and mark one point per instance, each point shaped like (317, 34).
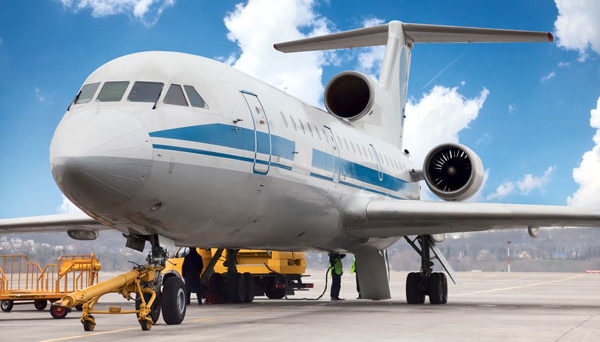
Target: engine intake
(350, 95)
(453, 172)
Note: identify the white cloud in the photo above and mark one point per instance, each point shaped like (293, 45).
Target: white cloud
(577, 26)
(563, 64)
(146, 11)
(370, 59)
(256, 25)
(67, 207)
(502, 190)
(39, 95)
(512, 108)
(525, 185)
(547, 77)
(442, 114)
(530, 182)
(587, 175)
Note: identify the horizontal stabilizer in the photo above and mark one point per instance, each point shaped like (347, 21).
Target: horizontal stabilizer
(415, 33)
(419, 33)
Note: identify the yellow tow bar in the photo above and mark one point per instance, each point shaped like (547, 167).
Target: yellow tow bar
(137, 281)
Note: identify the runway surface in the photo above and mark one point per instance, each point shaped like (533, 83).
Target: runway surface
(482, 307)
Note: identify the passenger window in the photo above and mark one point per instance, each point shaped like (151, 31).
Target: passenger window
(293, 123)
(301, 126)
(352, 145)
(284, 119)
(175, 96)
(347, 147)
(318, 132)
(86, 94)
(195, 99)
(112, 91)
(310, 129)
(145, 92)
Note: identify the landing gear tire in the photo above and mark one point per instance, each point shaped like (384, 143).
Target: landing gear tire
(236, 286)
(79, 307)
(438, 288)
(6, 305)
(89, 323)
(414, 288)
(58, 312)
(154, 310)
(249, 280)
(40, 304)
(216, 293)
(173, 300)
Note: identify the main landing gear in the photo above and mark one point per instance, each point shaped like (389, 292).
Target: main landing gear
(230, 287)
(427, 282)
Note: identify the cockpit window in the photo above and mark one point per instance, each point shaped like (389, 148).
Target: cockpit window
(112, 91)
(86, 94)
(175, 96)
(195, 99)
(145, 92)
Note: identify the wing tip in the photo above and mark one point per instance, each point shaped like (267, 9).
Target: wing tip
(550, 37)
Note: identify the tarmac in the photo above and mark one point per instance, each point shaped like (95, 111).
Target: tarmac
(482, 307)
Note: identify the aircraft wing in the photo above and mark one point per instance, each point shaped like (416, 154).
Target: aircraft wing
(386, 218)
(51, 223)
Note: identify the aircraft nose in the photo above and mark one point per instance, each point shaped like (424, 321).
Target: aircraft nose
(100, 159)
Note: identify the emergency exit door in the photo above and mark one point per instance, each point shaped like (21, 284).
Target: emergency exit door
(262, 134)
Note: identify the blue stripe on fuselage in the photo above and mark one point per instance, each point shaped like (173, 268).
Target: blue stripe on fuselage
(218, 154)
(231, 136)
(327, 162)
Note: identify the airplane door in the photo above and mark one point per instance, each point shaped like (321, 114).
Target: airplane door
(378, 160)
(333, 163)
(262, 134)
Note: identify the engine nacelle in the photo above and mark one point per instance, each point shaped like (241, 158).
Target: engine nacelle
(453, 172)
(351, 95)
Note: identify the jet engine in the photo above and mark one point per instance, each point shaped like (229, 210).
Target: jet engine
(453, 172)
(350, 95)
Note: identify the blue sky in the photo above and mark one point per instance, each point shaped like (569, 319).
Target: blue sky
(524, 108)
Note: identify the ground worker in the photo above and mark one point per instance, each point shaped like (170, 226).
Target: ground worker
(191, 270)
(335, 267)
(353, 270)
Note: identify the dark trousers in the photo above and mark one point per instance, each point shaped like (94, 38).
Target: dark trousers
(358, 287)
(336, 284)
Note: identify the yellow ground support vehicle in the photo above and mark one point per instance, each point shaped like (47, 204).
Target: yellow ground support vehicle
(274, 274)
(24, 282)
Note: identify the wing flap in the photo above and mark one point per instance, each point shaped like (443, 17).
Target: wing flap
(386, 218)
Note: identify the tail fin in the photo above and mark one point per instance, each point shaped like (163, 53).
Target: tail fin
(399, 39)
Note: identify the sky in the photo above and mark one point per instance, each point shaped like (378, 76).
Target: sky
(531, 111)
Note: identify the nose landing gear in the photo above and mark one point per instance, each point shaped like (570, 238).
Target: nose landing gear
(145, 282)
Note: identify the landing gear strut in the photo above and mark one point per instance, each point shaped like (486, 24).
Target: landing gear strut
(426, 282)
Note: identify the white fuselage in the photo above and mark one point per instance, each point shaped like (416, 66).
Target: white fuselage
(257, 168)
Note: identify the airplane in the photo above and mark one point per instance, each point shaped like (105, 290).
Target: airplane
(180, 150)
